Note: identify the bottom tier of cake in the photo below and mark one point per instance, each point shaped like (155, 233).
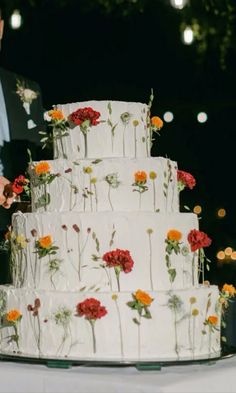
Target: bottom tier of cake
(119, 326)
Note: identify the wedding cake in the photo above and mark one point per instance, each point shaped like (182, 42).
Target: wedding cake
(106, 267)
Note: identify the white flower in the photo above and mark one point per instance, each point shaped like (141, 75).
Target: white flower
(29, 95)
(26, 95)
(47, 117)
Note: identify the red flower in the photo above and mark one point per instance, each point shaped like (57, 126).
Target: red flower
(91, 308)
(120, 258)
(82, 114)
(198, 239)
(186, 178)
(18, 184)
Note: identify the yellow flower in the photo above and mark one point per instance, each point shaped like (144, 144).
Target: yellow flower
(195, 312)
(42, 167)
(45, 242)
(114, 297)
(152, 175)
(93, 180)
(229, 289)
(135, 123)
(143, 297)
(56, 114)
(157, 122)
(149, 231)
(21, 241)
(87, 169)
(13, 315)
(140, 177)
(173, 234)
(192, 300)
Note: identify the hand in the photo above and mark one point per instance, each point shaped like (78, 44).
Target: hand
(6, 199)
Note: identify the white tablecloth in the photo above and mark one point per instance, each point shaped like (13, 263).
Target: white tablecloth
(215, 377)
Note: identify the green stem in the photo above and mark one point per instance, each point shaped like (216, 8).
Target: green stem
(85, 144)
(150, 260)
(120, 329)
(109, 197)
(135, 143)
(92, 323)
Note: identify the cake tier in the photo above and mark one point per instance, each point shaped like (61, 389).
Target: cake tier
(148, 184)
(103, 251)
(122, 131)
(165, 326)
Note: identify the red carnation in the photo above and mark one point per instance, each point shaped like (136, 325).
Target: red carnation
(186, 179)
(198, 239)
(83, 114)
(121, 258)
(91, 309)
(18, 184)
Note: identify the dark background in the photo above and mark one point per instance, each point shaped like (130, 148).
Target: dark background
(79, 50)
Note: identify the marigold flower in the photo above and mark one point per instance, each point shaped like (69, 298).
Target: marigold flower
(175, 235)
(45, 242)
(13, 315)
(56, 114)
(140, 177)
(143, 297)
(42, 167)
(212, 319)
(157, 122)
(230, 289)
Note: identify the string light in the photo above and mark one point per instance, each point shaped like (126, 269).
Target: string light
(179, 4)
(168, 116)
(202, 117)
(15, 20)
(188, 36)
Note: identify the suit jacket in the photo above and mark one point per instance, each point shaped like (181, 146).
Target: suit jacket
(14, 153)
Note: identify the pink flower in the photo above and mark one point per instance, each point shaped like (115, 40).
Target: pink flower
(186, 179)
(198, 239)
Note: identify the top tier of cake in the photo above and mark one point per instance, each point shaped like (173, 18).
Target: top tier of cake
(103, 129)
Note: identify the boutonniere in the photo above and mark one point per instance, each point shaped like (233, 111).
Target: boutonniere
(27, 96)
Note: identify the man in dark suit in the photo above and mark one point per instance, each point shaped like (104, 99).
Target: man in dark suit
(21, 119)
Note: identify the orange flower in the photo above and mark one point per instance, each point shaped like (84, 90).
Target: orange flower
(230, 289)
(143, 297)
(42, 167)
(173, 234)
(212, 319)
(7, 235)
(45, 242)
(56, 114)
(140, 177)
(13, 315)
(157, 122)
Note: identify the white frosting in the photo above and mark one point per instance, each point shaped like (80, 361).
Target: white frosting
(80, 253)
(86, 185)
(96, 208)
(171, 333)
(103, 139)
